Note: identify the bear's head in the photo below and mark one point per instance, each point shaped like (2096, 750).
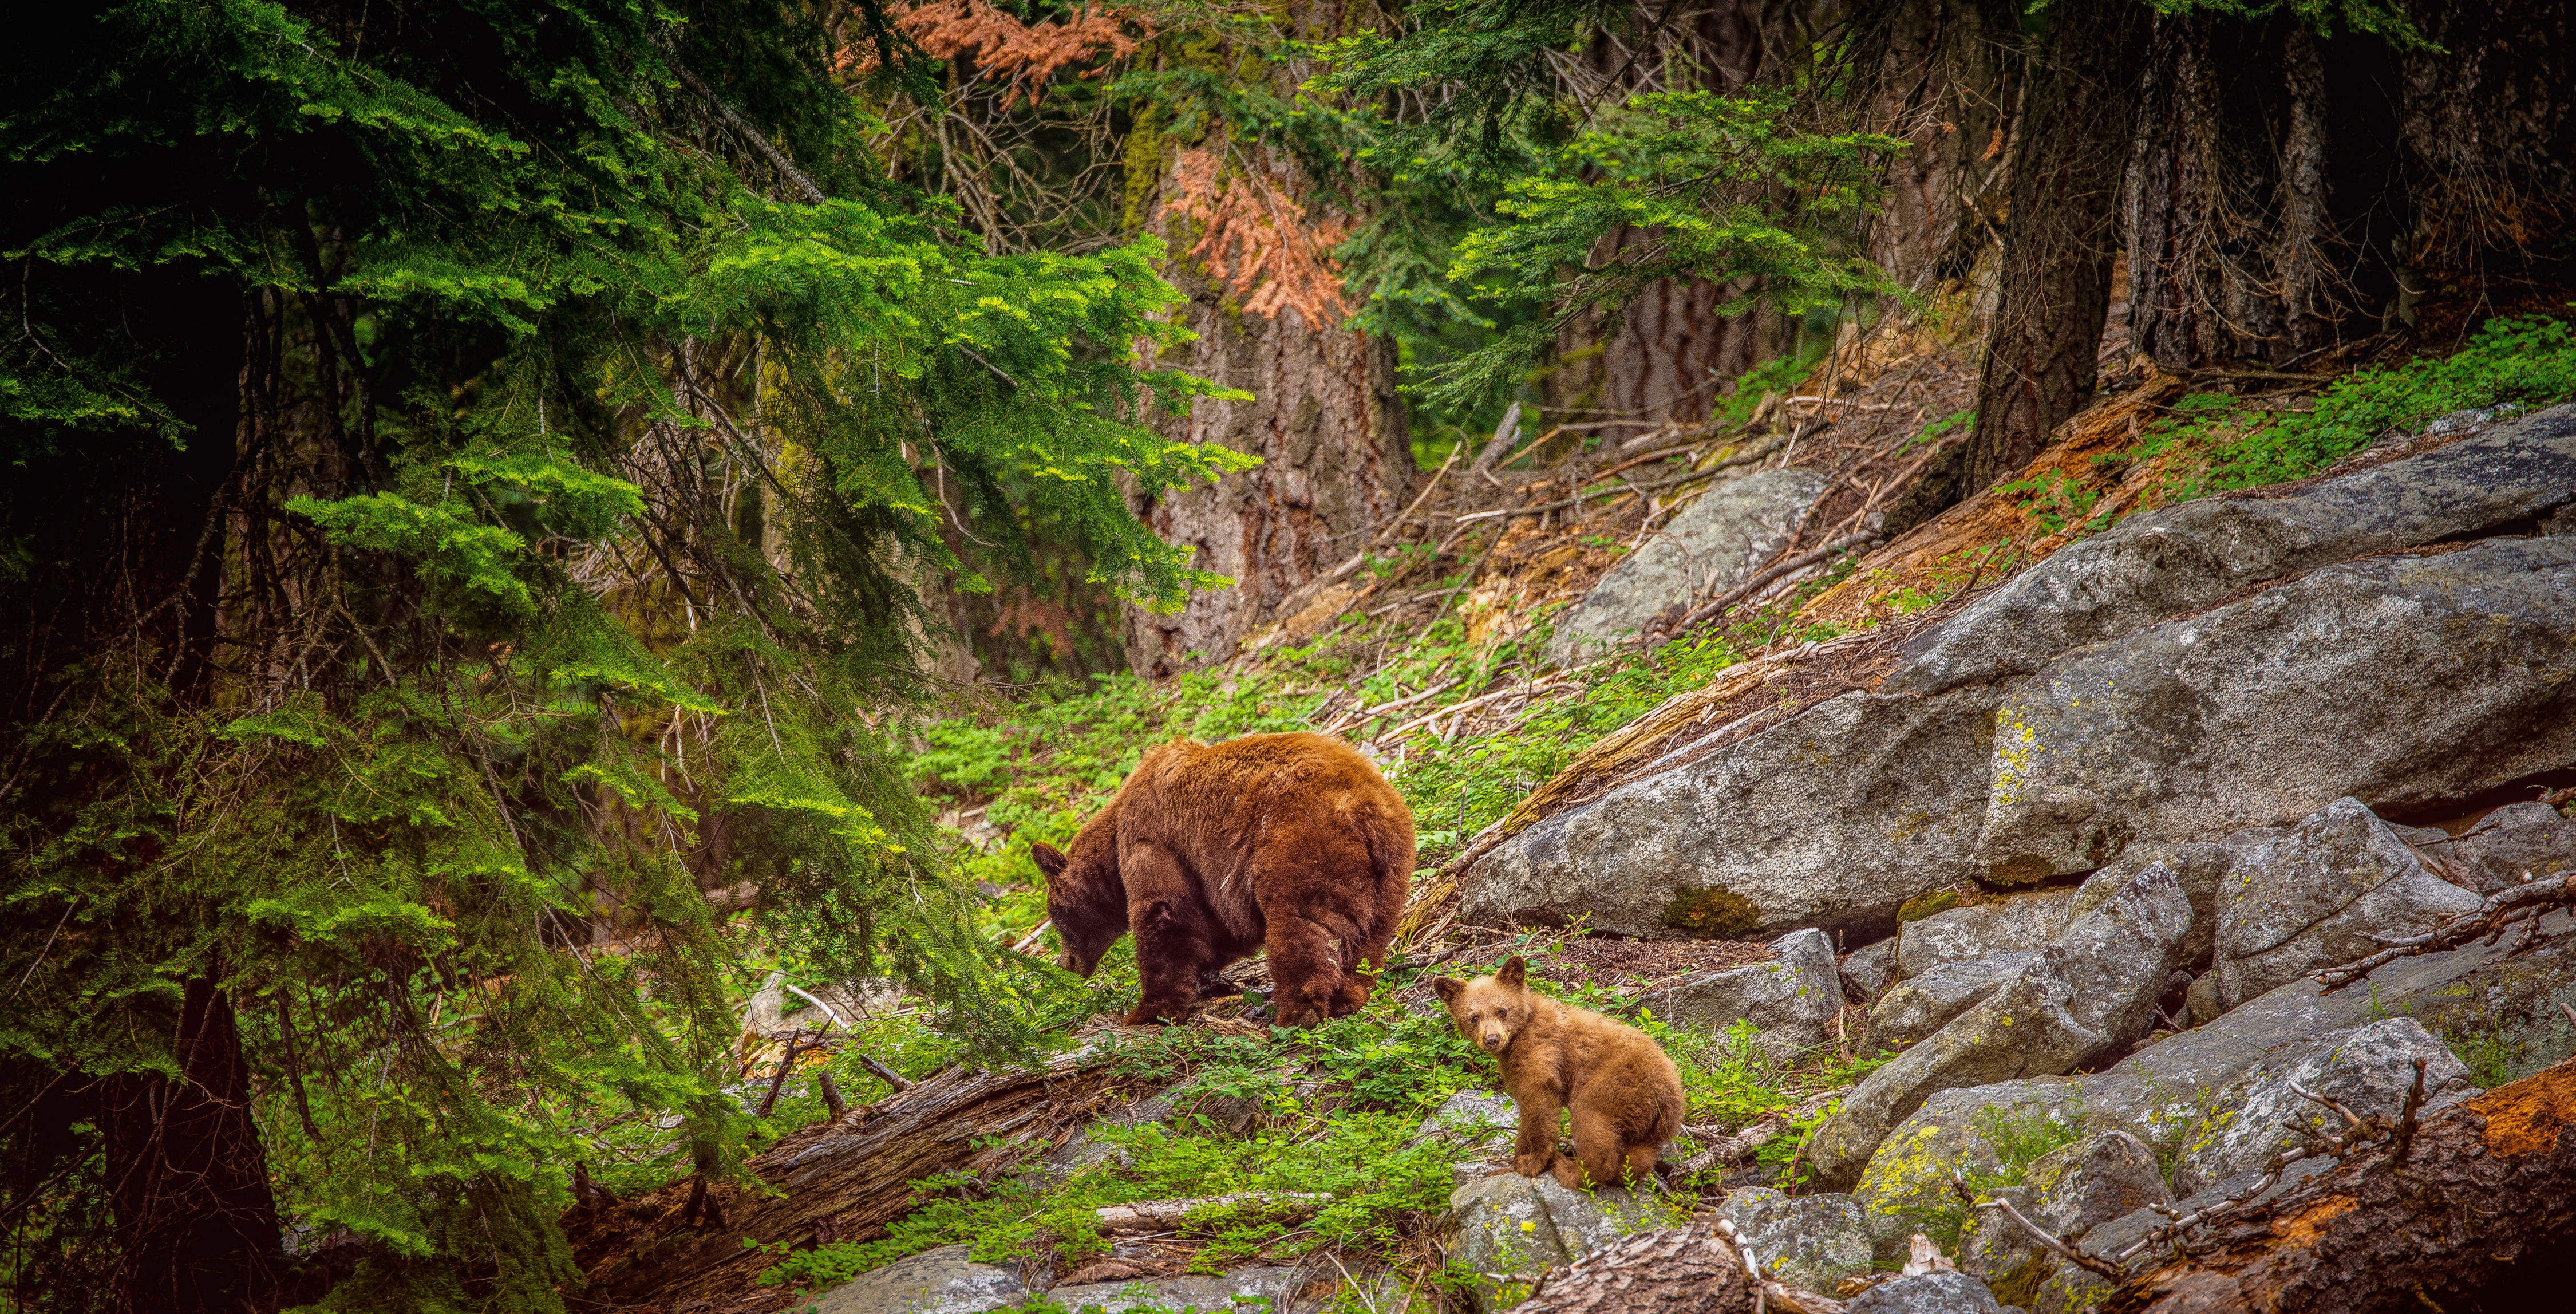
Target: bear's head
(1490, 1010)
(1085, 898)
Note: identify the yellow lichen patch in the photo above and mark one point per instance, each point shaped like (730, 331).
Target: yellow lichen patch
(2527, 1116)
(2304, 1227)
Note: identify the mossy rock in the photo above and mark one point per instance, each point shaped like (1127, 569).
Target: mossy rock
(1926, 904)
(2016, 872)
(1716, 912)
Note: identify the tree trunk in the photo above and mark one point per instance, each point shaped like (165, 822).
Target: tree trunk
(2482, 1216)
(2060, 239)
(1946, 76)
(2265, 201)
(187, 1176)
(2489, 124)
(1329, 428)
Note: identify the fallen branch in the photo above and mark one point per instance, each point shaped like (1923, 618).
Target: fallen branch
(1173, 1215)
(2099, 1267)
(2500, 911)
(1356, 718)
(1742, 458)
(778, 1079)
(1717, 607)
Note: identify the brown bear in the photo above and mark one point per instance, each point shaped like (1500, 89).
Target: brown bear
(1292, 843)
(1625, 1092)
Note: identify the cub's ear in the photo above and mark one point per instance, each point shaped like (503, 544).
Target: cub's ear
(1050, 859)
(1447, 987)
(1514, 972)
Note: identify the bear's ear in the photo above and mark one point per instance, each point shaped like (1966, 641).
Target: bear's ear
(1447, 987)
(1514, 972)
(1050, 859)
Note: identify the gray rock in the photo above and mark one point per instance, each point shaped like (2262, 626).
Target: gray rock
(1519, 1226)
(1926, 1293)
(1981, 930)
(1084, 1151)
(2179, 559)
(2368, 1069)
(1870, 969)
(1715, 544)
(2198, 865)
(1790, 1000)
(2160, 1093)
(1811, 1241)
(1832, 818)
(2202, 1000)
(1229, 1293)
(1920, 1005)
(2440, 676)
(2090, 992)
(1482, 1125)
(941, 1281)
(2072, 1192)
(2312, 898)
(2515, 842)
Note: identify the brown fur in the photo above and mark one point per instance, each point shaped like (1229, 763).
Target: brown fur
(1625, 1092)
(1293, 843)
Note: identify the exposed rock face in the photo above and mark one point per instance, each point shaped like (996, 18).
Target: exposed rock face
(1083, 1151)
(1921, 1005)
(2088, 993)
(1519, 1226)
(2179, 559)
(1209, 1294)
(941, 1281)
(1483, 1123)
(2312, 897)
(1926, 1293)
(1791, 1000)
(1715, 544)
(1811, 1241)
(2162, 1093)
(1870, 969)
(2071, 1192)
(1832, 819)
(2440, 676)
(1981, 930)
(2368, 1069)
(2516, 841)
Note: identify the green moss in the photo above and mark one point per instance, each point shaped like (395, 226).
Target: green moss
(1716, 911)
(1926, 904)
(2025, 869)
(2020, 1284)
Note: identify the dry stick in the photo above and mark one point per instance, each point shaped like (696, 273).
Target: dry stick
(1169, 1215)
(1030, 941)
(769, 1099)
(1829, 551)
(1472, 703)
(1407, 512)
(1362, 716)
(2406, 1118)
(832, 1097)
(885, 1074)
(2101, 1267)
(1741, 458)
(2498, 912)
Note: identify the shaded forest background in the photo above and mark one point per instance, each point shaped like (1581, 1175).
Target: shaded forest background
(489, 488)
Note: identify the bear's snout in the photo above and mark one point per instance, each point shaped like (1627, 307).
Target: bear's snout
(1493, 1040)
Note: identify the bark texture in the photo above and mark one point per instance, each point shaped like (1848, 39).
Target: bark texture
(838, 1183)
(187, 1177)
(1329, 428)
(2489, 124)
(2482, 1216)
(1683, 1270)
(1946, 76)
(2265, 207)
(2062, 235)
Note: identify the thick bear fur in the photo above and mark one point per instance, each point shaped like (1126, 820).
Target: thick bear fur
(1291, 843)
(1624, 1090)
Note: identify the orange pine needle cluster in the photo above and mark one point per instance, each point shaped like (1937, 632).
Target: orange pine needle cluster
(1257, 240)
(1026, 54)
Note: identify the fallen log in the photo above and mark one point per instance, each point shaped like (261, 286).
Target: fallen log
(1173, 1215)
(1698, 1269)
(2480, 1214)
(845, 1180)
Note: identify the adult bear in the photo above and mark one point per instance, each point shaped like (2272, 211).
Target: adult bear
(1210, 851)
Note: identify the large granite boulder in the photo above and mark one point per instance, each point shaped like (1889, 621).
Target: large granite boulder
(1791, 1000)
(2368, 1069)
(1715, 544)
(1811, 1241)
(1832, 819)
(2161, 1093)
(2088, 993)
(1920, 1005)
(1508, 1229)
(1981, 930)
(940, 1281)
(2180, 559)
(2316, 895)
(2406, 679)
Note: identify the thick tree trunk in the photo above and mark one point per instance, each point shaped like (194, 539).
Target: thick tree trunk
(2061, 235)
(1946, 76)
(187, 1176)
(2489, 124)
(2265, 202)
(2482, 1216)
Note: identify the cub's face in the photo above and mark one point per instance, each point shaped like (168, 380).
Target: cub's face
(1490, 1010)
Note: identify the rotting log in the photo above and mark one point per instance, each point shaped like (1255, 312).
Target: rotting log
(1698, 1269)
(1173, 1215)
(2480, 1216)
(845, 1182)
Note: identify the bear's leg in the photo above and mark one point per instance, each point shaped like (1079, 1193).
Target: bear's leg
(1171, 955)
(1600, 1149)
(1306, 967)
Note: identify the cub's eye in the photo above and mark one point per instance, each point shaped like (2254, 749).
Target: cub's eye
(1502, 1014)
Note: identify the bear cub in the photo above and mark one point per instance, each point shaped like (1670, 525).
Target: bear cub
(1625, 1092)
